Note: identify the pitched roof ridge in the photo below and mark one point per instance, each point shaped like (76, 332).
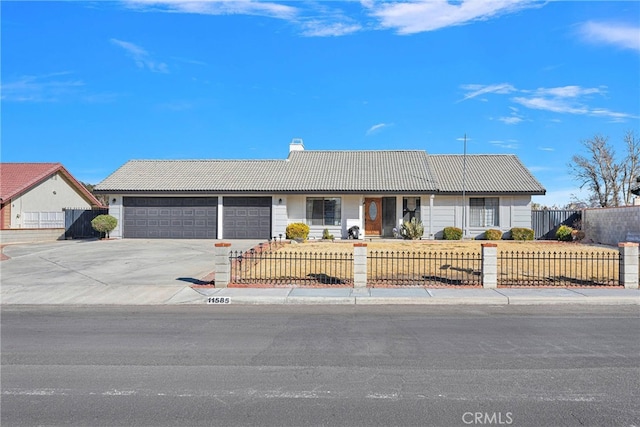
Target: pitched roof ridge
(201, 160)
(30, 163)
(362, 151)
(472, 154)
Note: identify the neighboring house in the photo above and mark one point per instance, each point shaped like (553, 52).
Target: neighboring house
(635, 187)
(34, 195)
(334, 190)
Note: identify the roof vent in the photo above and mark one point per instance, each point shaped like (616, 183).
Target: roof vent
(296, 145)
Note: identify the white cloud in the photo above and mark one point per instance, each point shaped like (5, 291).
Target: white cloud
(617, 34)
(614, 116)
(44, 88)
(377, 128)
(322, 28)
(217, 7)
(141, 57)
(429, 15)
(510, 120)
(569, 91)
(316, 19)
(477, 90)
(571, 99)
(550, 104)
(510, 145)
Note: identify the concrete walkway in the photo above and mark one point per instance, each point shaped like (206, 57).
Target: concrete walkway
(162, 272)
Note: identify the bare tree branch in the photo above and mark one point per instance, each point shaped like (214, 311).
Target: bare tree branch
(609, 181)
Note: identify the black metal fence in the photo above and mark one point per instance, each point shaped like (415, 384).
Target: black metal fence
(423, 268)
(77, 222)
(426, 269)
(546, 222)
(292, 268)
(558, 268)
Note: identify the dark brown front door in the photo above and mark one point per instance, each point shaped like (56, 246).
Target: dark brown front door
(373, 216)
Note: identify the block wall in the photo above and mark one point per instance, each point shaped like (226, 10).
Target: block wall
(611, 226)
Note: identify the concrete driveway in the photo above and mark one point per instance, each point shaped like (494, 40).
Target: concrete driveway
(127, 262)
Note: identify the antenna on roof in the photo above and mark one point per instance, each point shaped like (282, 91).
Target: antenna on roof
(464, 178)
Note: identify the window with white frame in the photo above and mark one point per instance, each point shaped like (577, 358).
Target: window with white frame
(484, 211)
(323, 210)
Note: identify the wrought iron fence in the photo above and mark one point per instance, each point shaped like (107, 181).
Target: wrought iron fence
(423, 268)
(291, 268)
(269, 266)
(558, 268)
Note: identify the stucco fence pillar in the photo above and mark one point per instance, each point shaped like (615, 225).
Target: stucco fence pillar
(629, 274)
(489, 265)
(359, 265)
(222, 265)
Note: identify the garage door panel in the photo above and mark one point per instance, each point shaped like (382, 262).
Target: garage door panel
(241, 217)
(170, 217)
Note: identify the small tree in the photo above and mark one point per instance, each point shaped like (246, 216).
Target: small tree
(104, 224)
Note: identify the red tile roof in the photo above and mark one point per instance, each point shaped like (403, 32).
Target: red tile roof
(16, 178)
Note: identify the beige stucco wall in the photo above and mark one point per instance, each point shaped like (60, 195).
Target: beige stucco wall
(52, 195)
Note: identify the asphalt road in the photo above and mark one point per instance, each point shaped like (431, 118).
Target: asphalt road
(319, 365)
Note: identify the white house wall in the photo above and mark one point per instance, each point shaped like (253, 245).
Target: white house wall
(296, 209)
(279, 219)
(444, 214)
(51, 195)
(116, 210)
(350, 214)
(515, 211)
(520, 212)
(436, 214)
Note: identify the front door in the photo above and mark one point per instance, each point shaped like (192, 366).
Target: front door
(372, 216)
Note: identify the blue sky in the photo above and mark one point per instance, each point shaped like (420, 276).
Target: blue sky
(95, 84)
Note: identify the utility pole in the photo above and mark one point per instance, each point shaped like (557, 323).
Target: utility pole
(464, 178)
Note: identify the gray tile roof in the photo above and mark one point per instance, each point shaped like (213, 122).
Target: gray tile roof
(317, 172)
(485, 173)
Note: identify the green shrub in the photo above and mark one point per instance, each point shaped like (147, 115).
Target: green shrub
(326, 235)
(452, 233)
(518, 233)
(564, 233)
(297, 230)
(493, 234)
(412, 230)
(104, 224)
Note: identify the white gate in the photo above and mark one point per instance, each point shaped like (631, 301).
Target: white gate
(43, 220)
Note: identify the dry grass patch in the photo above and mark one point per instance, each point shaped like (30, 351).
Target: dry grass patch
(459, 246)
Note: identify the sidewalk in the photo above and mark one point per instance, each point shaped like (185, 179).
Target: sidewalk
(185, 295)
